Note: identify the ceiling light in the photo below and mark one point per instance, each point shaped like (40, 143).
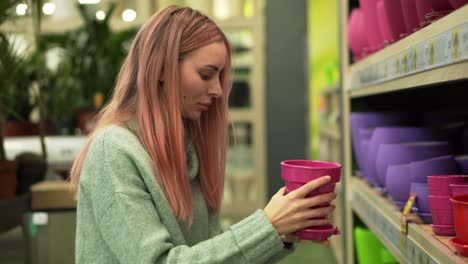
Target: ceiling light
(21, 9)
(100, 15)
(128, 15)
(89, 2)
(48, 8)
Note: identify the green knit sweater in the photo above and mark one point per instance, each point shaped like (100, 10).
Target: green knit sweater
(124, 217)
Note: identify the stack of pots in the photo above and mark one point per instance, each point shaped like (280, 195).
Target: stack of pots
(439, 201)
(296, 173)
(377, 23)
(460, 214)
(396, 157)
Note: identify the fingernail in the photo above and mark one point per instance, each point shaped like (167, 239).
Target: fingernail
(327, 178)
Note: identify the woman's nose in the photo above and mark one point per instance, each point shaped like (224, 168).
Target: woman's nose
(216, 90)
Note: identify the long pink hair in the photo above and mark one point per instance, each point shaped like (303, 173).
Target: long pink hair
(156, 106)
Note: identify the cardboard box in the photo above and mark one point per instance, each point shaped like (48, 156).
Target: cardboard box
(52, 195)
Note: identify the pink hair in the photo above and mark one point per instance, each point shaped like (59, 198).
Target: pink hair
(139, 92)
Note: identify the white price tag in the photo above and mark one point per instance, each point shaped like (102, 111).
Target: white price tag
(420, 56)
(392, 67)
(403, 66)
(381, 71)
(463, 41)
(448, 47)
(412, 60)
(40, 218)
(443, 48)
(428, 54)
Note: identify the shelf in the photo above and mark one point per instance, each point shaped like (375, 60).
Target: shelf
(435, 54)
(444, 74)
(241, 115)
(420, 245)
(329, 131)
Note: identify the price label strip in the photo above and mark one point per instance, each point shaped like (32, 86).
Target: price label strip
(463, 41)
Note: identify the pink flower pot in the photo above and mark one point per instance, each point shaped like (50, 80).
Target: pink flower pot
(439, 185)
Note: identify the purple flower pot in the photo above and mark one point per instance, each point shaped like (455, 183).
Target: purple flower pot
(462, 163)
(391, 154)
(387, 135)
(422, 196)
(400, 204)
(426, 217)
(419, 170)
(397, 182)
(368, 120)
(365, 148)
(439, 185)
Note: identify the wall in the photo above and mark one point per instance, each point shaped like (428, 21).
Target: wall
(286, 85)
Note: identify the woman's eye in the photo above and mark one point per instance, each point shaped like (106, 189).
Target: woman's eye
(205, 77)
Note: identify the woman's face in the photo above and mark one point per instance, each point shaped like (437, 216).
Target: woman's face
(200, 79)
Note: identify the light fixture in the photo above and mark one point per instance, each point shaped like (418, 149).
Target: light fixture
(128, 15)
(100, 15)
(21, 9)
(48, 8)
(89, 2)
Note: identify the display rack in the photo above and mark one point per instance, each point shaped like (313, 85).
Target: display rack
(330, 149)
(420, 245)
(425, 60)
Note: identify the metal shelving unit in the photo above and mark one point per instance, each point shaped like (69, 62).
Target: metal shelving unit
(426, 60)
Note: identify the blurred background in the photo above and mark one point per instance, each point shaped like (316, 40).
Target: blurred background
(313, 79)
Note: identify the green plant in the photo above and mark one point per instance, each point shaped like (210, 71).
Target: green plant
(15, 74)
(92, 56)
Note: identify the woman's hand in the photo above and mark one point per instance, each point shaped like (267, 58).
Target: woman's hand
(291, 212)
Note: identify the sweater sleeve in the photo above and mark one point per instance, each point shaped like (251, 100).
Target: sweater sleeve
(134, 233)
(131, 226)
(215, 229)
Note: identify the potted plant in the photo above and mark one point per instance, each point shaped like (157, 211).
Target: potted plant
(10, 65)
(92, 55)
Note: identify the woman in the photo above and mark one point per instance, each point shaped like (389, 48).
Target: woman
(150, 179)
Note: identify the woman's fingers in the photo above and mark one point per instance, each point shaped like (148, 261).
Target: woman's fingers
(314, 222)
(316, 200)
(317, 212)
(310, 186)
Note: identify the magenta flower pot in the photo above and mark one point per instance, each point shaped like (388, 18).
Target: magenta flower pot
(439, 185)
(410, 15)
(441, 209)
(459, 189)
(396, 21)
(383, 23)
(458, 3)
(374, 38)
(316, 233)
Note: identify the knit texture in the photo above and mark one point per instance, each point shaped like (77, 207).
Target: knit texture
(124, 217)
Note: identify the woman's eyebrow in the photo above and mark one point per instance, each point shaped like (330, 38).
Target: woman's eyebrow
(212, 67)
